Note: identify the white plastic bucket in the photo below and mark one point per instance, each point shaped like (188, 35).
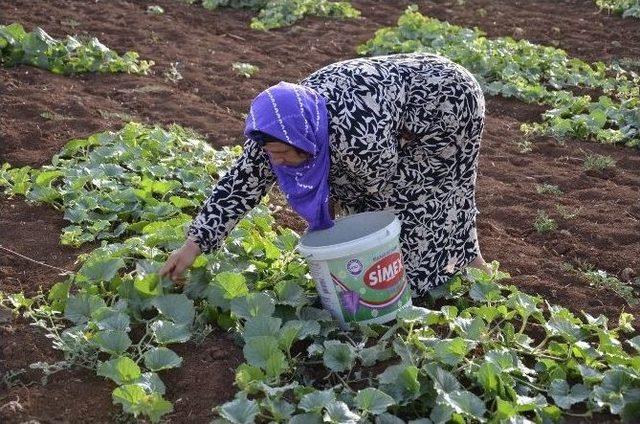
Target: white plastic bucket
(358, 269)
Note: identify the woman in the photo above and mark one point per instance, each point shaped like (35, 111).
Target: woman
(398, 132)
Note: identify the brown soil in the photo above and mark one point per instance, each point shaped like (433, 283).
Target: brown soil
(212, 99)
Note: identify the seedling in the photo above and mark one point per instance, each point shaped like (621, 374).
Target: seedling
(546, 188)
(245, 69)
(155, 10)
(602, 280)
(544, 224)
(598, 163)
(566, 212)
(173, 74)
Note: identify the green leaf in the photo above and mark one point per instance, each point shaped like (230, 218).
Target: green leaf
(484, 291)
(505, 409)
(611, 391)
(443, 381)
(373, 354)
(227, 286)
(338, 356)
(136, 401)
(564, 396)
(401, 382)
(488, 377)
(417, 314)
(280, 409)
(239, 411)
(276, 364)
(451, 351)
(525, 304)
(503, 358)
(102, 269)
(635, 343)
(387, 418)
(466, 403)
(253, 305)
(58, 295)
(122, 370)
(113, 342)
(317, 401)
(261, 326)
(471, 329)
(161, 358)
(308, 418)
(373, 401)
(79, 308)
(441, 413)
(167, 332)
(107, 318)
(150, 382)
(176, 307)
(149, 285)
(560, 326)
(290, 293)
(247, 375)
(338, 412)
(297, 330)
(258, 350)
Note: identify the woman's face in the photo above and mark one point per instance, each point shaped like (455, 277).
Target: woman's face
(283, 154)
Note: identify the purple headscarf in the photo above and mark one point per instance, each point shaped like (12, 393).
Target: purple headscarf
(297, 115)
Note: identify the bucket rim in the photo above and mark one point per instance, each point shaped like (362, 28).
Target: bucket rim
(388, 233)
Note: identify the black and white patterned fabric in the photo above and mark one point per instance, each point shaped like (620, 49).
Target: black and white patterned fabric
(405, 133)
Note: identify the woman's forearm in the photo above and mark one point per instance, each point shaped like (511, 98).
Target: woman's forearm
(235, 194)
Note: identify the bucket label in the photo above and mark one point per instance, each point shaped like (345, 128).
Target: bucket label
(368, 287)
(385, 273)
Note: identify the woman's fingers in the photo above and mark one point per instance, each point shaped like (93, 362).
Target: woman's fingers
(168, 266)
(178, 270)
(175, 266)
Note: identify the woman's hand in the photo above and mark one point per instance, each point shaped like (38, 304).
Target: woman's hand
(179, 261)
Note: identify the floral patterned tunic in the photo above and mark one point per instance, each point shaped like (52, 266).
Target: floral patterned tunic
(405, 134)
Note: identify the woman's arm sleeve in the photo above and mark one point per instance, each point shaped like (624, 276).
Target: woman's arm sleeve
(235, 194)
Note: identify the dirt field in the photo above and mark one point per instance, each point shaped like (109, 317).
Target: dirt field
(211, 98)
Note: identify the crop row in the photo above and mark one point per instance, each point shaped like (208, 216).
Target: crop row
(475, 351)
(529, 72)
(70, 56)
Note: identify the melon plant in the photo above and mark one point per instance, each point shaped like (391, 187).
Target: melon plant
(73, 55)
(477, 349)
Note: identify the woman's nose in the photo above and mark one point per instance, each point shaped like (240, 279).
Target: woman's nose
(277, 160)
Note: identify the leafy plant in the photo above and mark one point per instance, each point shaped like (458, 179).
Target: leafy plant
(547, 188)
(155, 10)
(115, 183)
(623, 7)
(173, 74)
(566, 212)
(281, 13)
(244, 69)
(476, 350)
(529, 72)
(603, 280)
(544, 224)
(71, 56)
(598, 163)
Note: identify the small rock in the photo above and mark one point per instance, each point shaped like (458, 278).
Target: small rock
(216, 353)
(627, 274)
(5, 316)
(565, 233)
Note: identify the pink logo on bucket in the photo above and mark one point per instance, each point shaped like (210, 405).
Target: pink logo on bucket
(354, 266)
